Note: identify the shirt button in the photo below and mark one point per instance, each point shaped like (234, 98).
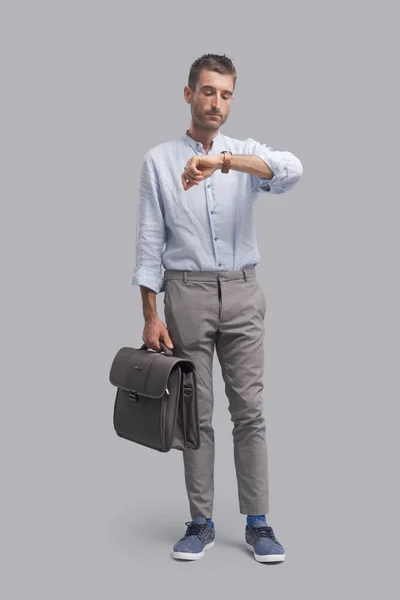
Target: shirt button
(209, 185)
(219, 264)
(215, 239)
(212, 212)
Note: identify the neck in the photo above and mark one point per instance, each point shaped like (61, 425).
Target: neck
(203, 136)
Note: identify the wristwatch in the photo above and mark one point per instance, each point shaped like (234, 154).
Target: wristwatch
(227, 161)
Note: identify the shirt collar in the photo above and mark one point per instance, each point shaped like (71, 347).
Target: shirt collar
(215, 146)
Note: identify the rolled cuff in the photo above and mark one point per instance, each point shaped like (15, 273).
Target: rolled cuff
(149, 278)
(287, 170)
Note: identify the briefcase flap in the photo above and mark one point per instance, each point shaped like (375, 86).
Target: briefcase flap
(143, 371)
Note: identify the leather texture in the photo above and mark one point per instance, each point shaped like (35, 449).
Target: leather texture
(156, 399)
(227, 161)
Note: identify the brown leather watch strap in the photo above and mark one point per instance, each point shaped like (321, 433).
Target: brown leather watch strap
(227, 161)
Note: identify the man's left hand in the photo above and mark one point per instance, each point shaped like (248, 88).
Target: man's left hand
(199, 168)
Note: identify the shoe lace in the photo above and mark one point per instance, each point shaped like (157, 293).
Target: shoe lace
(194, 528)
(265, 531)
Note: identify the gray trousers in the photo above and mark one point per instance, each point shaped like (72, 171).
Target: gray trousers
(224, 310)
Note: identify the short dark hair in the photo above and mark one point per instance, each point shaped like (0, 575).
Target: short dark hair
(212, 62)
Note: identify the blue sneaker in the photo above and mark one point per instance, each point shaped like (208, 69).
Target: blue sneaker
(199, 536)
(260, 538)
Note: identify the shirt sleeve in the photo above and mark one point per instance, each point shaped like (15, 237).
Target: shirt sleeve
(150, 230)
(286, 167)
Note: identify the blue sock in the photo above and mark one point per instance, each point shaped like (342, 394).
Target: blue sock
(210, 522)
(252, 518)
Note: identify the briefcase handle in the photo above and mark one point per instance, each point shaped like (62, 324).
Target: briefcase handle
(164, 349)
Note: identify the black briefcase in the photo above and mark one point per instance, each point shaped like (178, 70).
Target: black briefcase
(156, 399)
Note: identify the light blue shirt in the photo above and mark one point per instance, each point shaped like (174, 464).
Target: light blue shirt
(209, 227)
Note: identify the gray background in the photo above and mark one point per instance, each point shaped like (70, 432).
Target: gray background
(87, 89)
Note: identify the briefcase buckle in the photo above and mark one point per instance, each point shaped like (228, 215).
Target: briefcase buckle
(133, 396)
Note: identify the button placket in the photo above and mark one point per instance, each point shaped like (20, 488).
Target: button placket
(213, 228)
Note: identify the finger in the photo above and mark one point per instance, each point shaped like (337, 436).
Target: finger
(193, 170)
(192, 179)
(192, 163)
(167, 340)
(187, 185)
(188, 182)
(153, 344)
(193, 174)
(184, 182)
(191, 166)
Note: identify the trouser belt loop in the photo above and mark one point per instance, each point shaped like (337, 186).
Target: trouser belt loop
(184, 276)
(244, 274)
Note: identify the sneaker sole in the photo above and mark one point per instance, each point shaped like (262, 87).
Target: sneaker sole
(266, 557)
(192, 555)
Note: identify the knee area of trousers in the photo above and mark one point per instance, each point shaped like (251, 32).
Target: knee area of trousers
(255, 423)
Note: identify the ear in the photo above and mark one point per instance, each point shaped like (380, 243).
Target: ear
(187, 93)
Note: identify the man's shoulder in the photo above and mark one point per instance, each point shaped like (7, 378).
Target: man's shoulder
(161, 150)
(238, 145)
(240, 141)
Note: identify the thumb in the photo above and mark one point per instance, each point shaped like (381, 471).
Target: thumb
(168, 342)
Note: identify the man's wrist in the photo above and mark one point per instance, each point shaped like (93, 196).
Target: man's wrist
(220, 158)
(150, 316)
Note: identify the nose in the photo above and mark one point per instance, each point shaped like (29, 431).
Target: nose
(216, 103)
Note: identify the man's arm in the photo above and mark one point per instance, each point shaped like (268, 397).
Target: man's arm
(150, 231)
(248, 163)
(274, 171)
(154, 329)
(286, 168)
(149, 303)
(150, 239)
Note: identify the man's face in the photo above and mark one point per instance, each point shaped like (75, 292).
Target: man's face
(211, 101)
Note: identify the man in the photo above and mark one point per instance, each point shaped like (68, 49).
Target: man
(196, 197)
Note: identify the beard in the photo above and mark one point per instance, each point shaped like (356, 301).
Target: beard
(203, 121)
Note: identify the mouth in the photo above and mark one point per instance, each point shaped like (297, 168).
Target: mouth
(211, 115)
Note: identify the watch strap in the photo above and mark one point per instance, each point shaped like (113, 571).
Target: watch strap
(227, 161)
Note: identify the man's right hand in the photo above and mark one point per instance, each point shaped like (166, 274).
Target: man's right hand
(154, 331)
